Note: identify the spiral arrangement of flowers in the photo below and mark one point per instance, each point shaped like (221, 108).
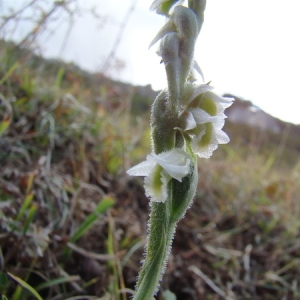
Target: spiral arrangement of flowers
(186, 123)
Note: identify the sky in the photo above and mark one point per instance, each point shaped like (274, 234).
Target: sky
(249, 48)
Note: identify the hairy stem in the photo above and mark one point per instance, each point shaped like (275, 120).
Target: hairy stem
(161, 233)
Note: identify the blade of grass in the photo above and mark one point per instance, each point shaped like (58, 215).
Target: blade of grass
(4, 282)
(134, 248)
(5, 122)
(57, 281)
(31, 214)
(28, 84)
(4, 125)
(83, 297)
(25, 285)
(24, 207)
(9, 72)
(59, 76)
(29, 182)
(101, 208)
(114, 287)
(17, 293)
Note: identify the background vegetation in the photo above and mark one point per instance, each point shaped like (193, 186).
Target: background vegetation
(73, 224)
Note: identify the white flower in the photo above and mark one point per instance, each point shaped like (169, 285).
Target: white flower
(203, 119)
(159, 169)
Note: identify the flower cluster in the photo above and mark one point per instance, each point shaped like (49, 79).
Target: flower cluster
(193, 110)
(203, 118)
(186, 123)
(201, 121)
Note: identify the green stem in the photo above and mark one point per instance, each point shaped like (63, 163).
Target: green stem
(161, 233)
(162, 225)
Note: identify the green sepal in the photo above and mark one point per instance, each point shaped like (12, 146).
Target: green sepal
(184, 192)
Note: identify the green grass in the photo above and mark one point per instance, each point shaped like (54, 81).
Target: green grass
(73, 224)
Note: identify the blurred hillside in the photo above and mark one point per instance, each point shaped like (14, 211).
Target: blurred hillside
(73, 224)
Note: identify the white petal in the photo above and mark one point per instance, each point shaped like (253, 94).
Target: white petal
(198, 69)
(206, 151)
(190, 122)
(144, 168)
(202, 88)
(218, 137)
(202, 117)
(222, 137)
(174, 162)
(219, 123)
(157, 195)
(221, 102)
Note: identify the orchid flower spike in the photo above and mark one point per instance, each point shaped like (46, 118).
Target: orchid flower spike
(186, 122)
(159, 169)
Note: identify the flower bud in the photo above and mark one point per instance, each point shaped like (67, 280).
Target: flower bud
(163, 7)
(163, 121)
(169, 51)
(186, 22)
(169, 48)
(198, 6)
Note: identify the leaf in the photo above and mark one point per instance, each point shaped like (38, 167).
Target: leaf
(4, 125)
(9, 72)
(3, 281)
(101, 208)
(57, 281)
(59, 77)
(26, 286)
(24, 207)
(31, 213)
